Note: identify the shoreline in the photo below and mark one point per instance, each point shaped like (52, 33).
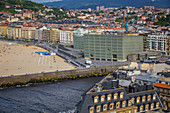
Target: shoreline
(49, 80)
(20, 59)
(55, 76)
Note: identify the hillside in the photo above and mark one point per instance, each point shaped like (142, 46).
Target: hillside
(81, 4)
(24, 4)
(29, 5)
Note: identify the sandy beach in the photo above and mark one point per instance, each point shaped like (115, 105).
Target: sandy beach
(18, 59)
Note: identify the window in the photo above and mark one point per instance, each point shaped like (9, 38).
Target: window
(154, 97)
(132, 100)
(129, 103)
(152, 106)
(161, 90)
(149, 97)
(91, 110)
(141, 108)
(143, 98)
(135, 110)
(138, 100)
(115, 96)
(109, 97)
(121, 95)
(114, 55)
(105, 107)
(111, 106)
(124, 104)
(96, 99)
(98, 108)
(102, 98)
(157, 105)
(117, 104)
(147, 107)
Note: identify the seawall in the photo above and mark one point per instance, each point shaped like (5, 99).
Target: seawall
(52, 75)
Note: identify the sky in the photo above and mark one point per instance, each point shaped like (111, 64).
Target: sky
(40, 1)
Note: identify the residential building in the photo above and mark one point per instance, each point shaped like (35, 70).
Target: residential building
(10, 32)
(111, 96)
(108, 47)
(27, 14)
(168, 45)
(42, 34)
(54, 35)
(28, 32)
(163, 86)
(14, 32)
(46, 35)
(97, 8)
(157, 42)
(3, 30)
(66, 36)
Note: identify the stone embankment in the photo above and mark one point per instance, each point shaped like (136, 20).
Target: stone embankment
(54, 76)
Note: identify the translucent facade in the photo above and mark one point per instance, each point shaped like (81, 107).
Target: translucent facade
(109, 47)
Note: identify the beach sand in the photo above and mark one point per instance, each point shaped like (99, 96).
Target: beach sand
(21, 59)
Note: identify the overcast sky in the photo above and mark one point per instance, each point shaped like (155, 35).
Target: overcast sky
(40, 1)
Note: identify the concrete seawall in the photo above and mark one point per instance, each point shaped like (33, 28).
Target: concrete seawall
(25, 78)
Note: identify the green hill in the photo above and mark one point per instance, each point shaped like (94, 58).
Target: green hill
(27, 4)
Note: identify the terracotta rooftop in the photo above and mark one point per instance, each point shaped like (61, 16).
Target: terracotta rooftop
(162, 85)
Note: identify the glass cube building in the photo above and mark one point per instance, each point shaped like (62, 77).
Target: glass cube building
(108, 47)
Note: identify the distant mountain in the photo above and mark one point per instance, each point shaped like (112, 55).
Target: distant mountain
(82, 4)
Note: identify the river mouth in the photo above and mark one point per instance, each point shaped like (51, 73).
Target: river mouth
(45, 98)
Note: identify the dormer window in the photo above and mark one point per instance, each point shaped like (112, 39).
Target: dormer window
(102, 98)
(109, 97)
(96, 99)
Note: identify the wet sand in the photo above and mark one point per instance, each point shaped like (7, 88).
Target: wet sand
(16, 59)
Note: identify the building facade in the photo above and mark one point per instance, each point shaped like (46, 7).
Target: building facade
(108, 97)
(66, 36)
(163, 86)
(28, 32)
(3, 30)
(168, 45)
(54, 35)
(157, 42)
(109, 47)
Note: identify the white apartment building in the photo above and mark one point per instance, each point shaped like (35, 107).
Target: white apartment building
(66, 36)
(157, 42)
